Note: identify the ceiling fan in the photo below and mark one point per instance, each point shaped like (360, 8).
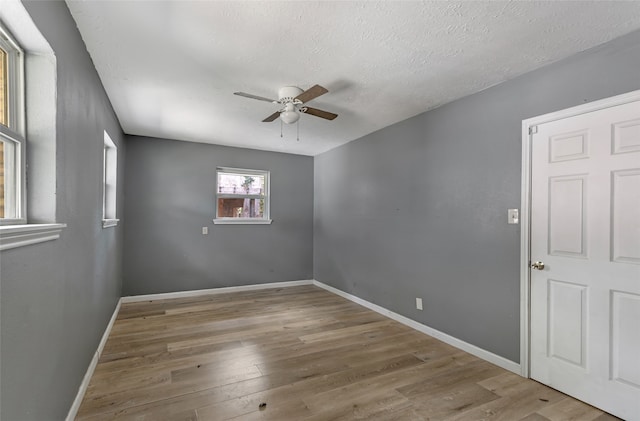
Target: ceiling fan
(292, 100)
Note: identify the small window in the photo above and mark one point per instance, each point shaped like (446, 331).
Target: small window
(12, 141)
(110, 178)
(242, 196)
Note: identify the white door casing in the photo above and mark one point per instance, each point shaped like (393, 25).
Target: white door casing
(584, 224)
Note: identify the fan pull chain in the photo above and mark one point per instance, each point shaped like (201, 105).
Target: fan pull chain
(281, 128)
(298, 134)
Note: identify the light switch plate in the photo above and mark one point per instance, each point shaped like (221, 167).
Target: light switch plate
(514, 216)
(205, 230)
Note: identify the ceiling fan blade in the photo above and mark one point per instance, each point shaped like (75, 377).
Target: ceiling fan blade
(311, 93)
(320, 113)
(260, 98)
(271, 117)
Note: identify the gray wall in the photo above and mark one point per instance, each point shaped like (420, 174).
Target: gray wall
(419, 209)
(170, 197)
(57, 297)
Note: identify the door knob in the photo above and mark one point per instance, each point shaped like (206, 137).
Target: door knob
(537, 265)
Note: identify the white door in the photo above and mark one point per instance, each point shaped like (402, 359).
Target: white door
(585, 229)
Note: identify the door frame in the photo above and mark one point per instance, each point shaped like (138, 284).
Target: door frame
(528, 130)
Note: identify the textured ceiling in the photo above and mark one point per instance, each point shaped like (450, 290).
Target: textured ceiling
(170, 67)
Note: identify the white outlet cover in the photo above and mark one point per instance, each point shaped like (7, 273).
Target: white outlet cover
(419, 303)
(513, 216)
(205, 230)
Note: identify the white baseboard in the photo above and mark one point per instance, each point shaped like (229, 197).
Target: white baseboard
(465, 346)
(224, 290)
(92, 366)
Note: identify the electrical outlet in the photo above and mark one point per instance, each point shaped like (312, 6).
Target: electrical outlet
(419, 303)
(205, 230)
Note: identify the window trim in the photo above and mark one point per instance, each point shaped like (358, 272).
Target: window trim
(15, 81)
(15, 131)
(38, 70)
(109, 178)
(15, 194)
(266, 197)
(28, 234)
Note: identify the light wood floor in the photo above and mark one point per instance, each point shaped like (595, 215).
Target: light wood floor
(309, 355)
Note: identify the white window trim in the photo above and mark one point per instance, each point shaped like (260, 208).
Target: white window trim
(24, 235)
(40, 73)
(109, 177)
(242, 221)
(108, 223)
(267, 198)
(15, 194)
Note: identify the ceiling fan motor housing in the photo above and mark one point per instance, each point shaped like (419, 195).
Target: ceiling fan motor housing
(288, 94)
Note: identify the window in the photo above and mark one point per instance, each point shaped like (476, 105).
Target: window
(27, 76)
(12, 193)
(110, 182)
(242, 196)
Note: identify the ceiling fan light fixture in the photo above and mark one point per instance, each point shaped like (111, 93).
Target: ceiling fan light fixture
(290, 114)
(289, 117)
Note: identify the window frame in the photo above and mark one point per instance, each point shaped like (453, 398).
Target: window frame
(14, 133)
(109, 182)
(266, 218)
(37, 69)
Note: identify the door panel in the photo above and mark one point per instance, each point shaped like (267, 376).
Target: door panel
(626, 137)
(625, 216)
(625, 340)
(567, 208)
(567, 318)
(570, 146)
(585, 227)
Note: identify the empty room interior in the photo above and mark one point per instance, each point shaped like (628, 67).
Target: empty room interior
(319, 210)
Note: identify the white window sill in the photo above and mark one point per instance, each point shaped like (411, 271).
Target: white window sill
(12, 236)
(106, 223)
(241, 221)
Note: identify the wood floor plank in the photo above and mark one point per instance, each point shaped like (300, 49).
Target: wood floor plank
(295, 410)
(534, 417)
(372, 403)
(525, 400)
(570, 409)
(388, 381)
(451, 402)
(309, 355)
(244, 405)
